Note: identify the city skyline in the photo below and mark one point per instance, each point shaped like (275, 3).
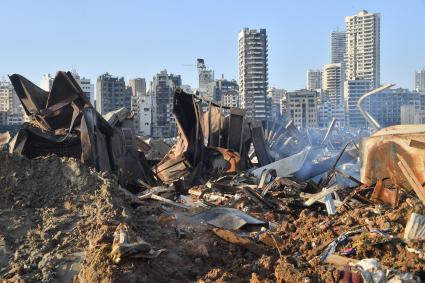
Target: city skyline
(292, 51)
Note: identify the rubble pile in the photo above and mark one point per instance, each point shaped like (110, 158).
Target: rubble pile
(58, 219)
(231, 200)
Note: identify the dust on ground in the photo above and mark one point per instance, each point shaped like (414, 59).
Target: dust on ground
(58, 217)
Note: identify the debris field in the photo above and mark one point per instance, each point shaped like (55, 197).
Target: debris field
(231, 199)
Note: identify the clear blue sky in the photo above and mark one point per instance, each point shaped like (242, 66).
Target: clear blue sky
(139, 38)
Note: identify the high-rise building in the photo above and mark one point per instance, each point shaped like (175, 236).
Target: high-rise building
(12, 112)
(230, 98)
(206, 77)
(138, 90)
(46, 82)
(276, 95)
(386, 106)
(161, 90)
(253, 72)
(86, 86)
(362, 58)
(219, 87)
(145, 121)
(338, 47)
(301, 107)
(324, 113)
(111, 93)
(137, 85)
(314, 79)
(420, 81)
(332, 83)
(353, 90)
(409, 114)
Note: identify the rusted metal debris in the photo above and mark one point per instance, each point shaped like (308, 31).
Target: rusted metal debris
(378, 155)
(243, 177)
(386, 195)
(220, 140)
(63, 122)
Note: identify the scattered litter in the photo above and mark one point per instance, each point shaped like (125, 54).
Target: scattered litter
(230, 199)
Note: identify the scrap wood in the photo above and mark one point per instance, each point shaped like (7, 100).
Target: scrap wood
(131, 196)
(257, 198)
(338, 203)
(152, 195)
(274, 241)
(324, 245)
(316, 197)
(246, 243)
(166, 200)
(121, 248)
(155, 190)
(339, 260)
(411, 178)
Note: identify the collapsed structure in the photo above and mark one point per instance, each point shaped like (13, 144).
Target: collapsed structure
(301, 206)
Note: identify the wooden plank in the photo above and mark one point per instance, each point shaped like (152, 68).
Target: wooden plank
(274, 241)
(246, 243)
(411, 178)
(339, 260)
(321, 195)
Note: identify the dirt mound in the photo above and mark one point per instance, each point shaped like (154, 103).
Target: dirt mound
(57, 221)
(49, 209)
(58, 218)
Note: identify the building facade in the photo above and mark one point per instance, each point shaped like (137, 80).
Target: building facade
(301, 108)
(314, 79)
(138, 90)
(276, 95)
(46, 82)
(420, 81)
(222, 86)
(12, 112)
(206, 77)
(161, 90)
(253, 72)
(111, 93)
(230, 98)
(362, 57)
(86, 86)
(386, 106)
(332, 83)
(145, 121)
(409, 115)
(353, 90)
(338, 39)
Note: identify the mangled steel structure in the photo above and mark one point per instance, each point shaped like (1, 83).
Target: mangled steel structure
(63, 122)
(379, 154)
(220, 140)
(224, 140)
